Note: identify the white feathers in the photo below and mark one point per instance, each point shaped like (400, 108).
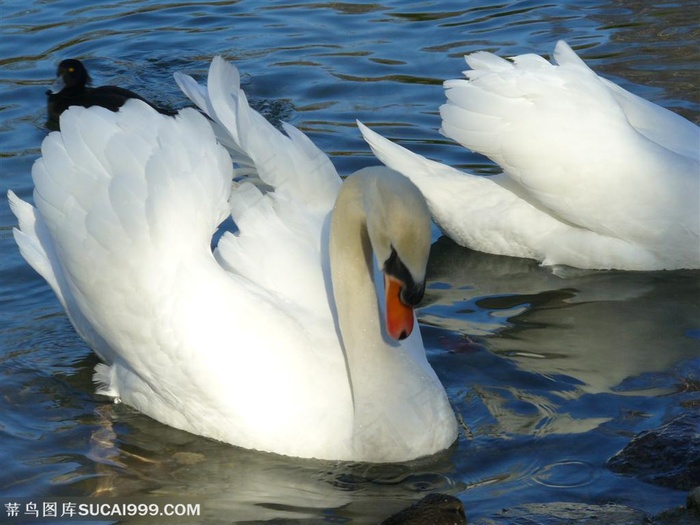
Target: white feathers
(287, 221)
(33, 241)
(240, 345)
(595, 177)
(244, 344)
(126, 206)
(277, 158)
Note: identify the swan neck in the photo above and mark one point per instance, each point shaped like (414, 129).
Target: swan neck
(351, 259)
(400, 409)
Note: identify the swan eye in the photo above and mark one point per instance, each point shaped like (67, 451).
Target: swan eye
(411, 292)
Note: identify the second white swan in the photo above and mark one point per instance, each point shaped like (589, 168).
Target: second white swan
(593, 176)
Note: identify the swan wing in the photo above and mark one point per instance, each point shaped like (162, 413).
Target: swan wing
(290, 219)
(126, 204)
(97, 213)
(657, 123)
(581, 149)
(290, 163)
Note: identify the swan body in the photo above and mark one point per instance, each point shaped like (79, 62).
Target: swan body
(275, 340)
(593, 176)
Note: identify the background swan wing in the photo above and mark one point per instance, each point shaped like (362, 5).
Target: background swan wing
(576, 143)
(657, 123)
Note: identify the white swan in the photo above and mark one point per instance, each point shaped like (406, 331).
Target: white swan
(242, 345)
(594, 176)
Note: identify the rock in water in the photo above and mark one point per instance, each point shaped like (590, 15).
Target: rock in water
(668, 456)
(434, 509)
(565, 514)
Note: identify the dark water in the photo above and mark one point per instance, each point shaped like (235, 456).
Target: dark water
(551, 374)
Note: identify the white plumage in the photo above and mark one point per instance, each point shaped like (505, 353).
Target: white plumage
(242, 345)
(594, 176)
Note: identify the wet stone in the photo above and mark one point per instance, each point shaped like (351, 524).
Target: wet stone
(690, 515)
(566, 513)
(433, 509)
(668, 456)
(693, 500)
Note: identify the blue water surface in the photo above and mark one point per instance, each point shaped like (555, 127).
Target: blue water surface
(550, 374)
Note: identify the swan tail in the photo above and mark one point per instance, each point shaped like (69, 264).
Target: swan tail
(105, 380)
(290, 163)
(462, 204)
(424, 173)
(34, 243)
(37, 247)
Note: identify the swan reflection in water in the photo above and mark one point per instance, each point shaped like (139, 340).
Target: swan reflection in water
(576, 332)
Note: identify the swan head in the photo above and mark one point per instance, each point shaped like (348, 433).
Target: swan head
(398, 225)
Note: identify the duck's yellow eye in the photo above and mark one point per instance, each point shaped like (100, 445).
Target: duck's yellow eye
(71, 70)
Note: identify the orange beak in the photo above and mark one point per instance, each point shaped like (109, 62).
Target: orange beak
(399, 317)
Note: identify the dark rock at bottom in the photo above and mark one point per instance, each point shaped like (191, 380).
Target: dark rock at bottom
(441, 509)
